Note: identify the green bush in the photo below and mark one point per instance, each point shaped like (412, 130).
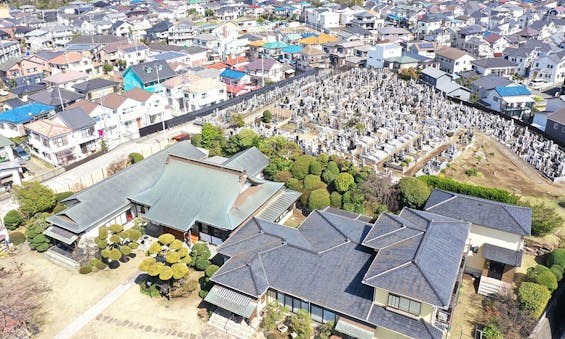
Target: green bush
(557, 272)
(473, 190)
(34, 198)
(313, 182)
(556, 257)
(473, 172)
(301, 166)
(201, 264)
(295, 185)
(283, 176)
(202, 294)
(533, 272)
(547, 279)
(267, 116)
(166, 238)
(62, 196)
(316, 168)
(318, 199)
(328, 176)
(200, 250)
(135, 157)
(59, 208)
(17, 238)
(533, 297)
(413, 192)
(335, 200)
(491, 332)
(85, 269)
(210, 270)
(100, 265)
(13, 219)
(343, 182)
(94, 261)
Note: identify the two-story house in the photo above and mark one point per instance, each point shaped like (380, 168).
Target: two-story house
(12, 121)
(96, 88)
(148, 75)
(550, 69)
(453, 60)
(395, 278)
(67, 137)
(555, 125)
(18, 72)
(153, 105)
(496, 237)
(496, 66)
(10, 168)
(265, 70)
(514, 101)
(9, 50)
(202, 92)
(126, 113)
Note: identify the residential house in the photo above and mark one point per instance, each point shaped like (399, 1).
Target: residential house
(38, 39)
(400, 280)
(218, 196)
(525, 55)
(513, 101)
(496, 66)
(497, 43)
(329, 20)
(182, 33)
(423, 48)
(106, 122)
(159, 31)
(483, 85)
(555, 125)
(478, 47)
(148, 75)
(444, 83)
(18, 72)
(126, 118)
(153, 106)
(12, 121)
(366, 20)
(73, 61)
(124, 55)
(264, 71)
(121, 28)
(392, 33)
(453, 60)
(65, 79)
(312, 57)
(377, 54)
(96, 88)
(57, 97)
(496, 236)
(63, 139)
(61, 35)
(202, 92)
(10, 168)
(9, 50)
(234, 78)
(549, 68)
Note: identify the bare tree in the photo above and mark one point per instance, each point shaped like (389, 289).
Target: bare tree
(20, 306)
(380, 190)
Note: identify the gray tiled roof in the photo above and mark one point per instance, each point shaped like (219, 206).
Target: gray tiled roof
(251, 160)
(95, 203)
(54, 96)
(502, 255)
(165, 71)
(76, 118)
(314, 262)
(491, 81)
(487, 213)
(493, 63)
(94, 84)
(421, 255)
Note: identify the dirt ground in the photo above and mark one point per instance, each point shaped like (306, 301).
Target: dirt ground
(296, 219)
(71, 294)
(468, 310)
(498, 167)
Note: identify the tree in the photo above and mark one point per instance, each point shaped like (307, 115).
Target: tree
(34, 197)
(325, 331)
(13, 219)
(313, 182)
(556, 257)
(533, 297)
(209, 12)
(267, 116)
(274, 313)
(408, 74)
(301, 323)
(122, 64)
(237, 120)
(21, 296)
(116, 244)
(545, 219)
(35, 227)
(343, 181)
(413, 192)
(318, 199)
(335, 200)
(301, 166)
(380, 191)
(135, 157)
(316, 168)
(107, 68)
(504, 314)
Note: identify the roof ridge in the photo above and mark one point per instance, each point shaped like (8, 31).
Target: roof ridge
(402, 227)
(332, 225)
(389, 270)
(416, 263)
(453, 196)
(505, 207)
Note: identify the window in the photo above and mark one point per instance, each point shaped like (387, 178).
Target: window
(404, 304)
(317, 313)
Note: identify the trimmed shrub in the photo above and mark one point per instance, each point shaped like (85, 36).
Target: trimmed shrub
(126, 250)
(533, 272)
(318, 199)
(166, 238)
(267, 116)
(413, 192)
(335, 200)
(13, 219)
(201, 264)
(94, 261)
(533, 297)
(172, 257)
(315, 168)
(135, 157)
(154, 248)
(166, 273)
(313, 182)
(283, 176)
(62, 196)
(556, 257)
(547, 279)
(180, 270)
(210, 270)
(343, 182)
(301, 166)
(200, 250)
(103, 232)
(295, 184)
(116, 228)
(115, 254)
(557, 272)
(333, 167)
(202, 294)
(473, 190)
(17, 238)
(100, 265)
(328, 176)
(105, 253)
(85, 269)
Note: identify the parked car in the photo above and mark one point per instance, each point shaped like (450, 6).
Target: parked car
(537, 84)
(21, 153)
(3, 92)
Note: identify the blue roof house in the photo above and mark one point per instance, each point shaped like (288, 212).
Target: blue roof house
(513, 100)
(12, 121)
(147, 75)
(235, 78)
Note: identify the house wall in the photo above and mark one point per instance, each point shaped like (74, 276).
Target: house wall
(383, 333)
(555, 129)
(427, 312)
(376, 56)
(10, 130)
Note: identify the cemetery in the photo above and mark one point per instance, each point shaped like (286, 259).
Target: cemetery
(372, 117)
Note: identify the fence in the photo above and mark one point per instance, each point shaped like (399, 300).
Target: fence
(191, 116)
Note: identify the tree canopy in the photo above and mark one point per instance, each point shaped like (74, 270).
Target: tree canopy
(33, 197)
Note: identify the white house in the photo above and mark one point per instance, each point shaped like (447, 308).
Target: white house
(377, 54)
(128, 114)
(63, 139)
(200, 93)
(515, 101)
(153, 106)
(550, 69)
(453, 60)
(10, 169)
(329, 20)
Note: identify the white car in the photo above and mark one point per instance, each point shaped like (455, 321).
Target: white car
(3, 92)
(537, 84)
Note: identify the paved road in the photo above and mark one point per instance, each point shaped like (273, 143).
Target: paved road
(96, 309)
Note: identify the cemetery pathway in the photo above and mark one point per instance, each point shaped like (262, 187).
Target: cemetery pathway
(96, 309)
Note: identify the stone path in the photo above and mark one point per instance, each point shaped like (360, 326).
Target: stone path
(95, 310)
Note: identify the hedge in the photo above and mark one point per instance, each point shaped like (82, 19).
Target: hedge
(17, 238)
(201, 264)
(13, 219)
(557, 272)
(63, 195)
(210, 270)
(85, 269)
(547, 279)
(318, 199)
(556, 257)
(413, 192)
(135, 157)
(533, 297)
(473, 190)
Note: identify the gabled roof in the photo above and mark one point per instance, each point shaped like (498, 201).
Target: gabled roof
(232, 74)
(261, 64)
(493, 63)
(66, 76)
(54, 96)
(491, 81)
(94, 84)
(86, 105)
(149, 71)
(138, 94)
(510, 91)
(112, 100)
(451, 53)
(25, 113)
(487, 213)
(419, 255)
(76, 118)
(250, 160)
(48, 128)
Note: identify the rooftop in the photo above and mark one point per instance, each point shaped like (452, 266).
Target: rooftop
(25, 113)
